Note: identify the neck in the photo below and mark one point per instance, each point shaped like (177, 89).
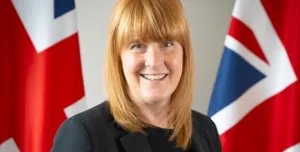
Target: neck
(155, 113)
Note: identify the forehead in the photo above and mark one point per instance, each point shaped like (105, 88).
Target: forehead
(148, 20)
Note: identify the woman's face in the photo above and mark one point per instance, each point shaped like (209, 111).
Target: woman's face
(152, 70)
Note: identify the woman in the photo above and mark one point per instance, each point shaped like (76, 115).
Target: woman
(149, 83)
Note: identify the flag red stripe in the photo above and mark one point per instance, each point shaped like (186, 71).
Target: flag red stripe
(244, 35)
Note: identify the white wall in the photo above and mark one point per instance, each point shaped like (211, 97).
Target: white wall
(208, 21)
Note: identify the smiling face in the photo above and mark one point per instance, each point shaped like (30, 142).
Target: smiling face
(152, 70)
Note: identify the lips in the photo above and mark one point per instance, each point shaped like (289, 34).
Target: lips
(154, 76)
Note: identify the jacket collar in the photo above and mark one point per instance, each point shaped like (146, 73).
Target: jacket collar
(136, 142)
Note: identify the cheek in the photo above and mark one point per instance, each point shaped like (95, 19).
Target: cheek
(175, 63)
(131, 65)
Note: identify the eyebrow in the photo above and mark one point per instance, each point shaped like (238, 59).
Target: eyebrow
(134, 41)
(130, 43)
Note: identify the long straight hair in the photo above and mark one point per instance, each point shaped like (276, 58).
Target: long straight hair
(149, 20)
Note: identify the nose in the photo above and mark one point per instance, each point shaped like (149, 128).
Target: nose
(154, 57)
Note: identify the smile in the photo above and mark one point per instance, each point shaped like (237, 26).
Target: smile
(154, 76)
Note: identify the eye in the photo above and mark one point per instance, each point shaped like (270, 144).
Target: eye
(135, 46)
(168, 43)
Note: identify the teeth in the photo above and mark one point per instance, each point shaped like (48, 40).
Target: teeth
(153, 76)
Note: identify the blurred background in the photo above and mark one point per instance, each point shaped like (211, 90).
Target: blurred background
(255, 104)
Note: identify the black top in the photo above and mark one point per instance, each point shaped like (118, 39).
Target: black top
(158, 140)
(95, 130)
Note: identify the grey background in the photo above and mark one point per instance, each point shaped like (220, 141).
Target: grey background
(208, 21)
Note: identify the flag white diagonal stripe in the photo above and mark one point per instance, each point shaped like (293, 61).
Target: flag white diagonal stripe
(247, 55)
(9, 146)
(295, 148)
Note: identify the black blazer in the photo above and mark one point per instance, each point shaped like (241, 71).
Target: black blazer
(96, 131)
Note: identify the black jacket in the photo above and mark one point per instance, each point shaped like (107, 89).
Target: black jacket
(96, 131)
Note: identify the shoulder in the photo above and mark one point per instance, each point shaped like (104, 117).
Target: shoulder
(80, 131)
(99, 114)
(202, 121)
(98, 117)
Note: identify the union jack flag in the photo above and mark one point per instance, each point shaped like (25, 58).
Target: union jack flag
(256, 99)
(40, 72)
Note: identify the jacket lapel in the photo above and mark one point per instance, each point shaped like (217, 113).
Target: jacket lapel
(135, 142)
